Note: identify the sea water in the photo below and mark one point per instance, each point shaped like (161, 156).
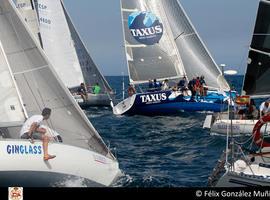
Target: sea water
(160, 151)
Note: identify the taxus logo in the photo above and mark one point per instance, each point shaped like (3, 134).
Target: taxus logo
(153, 98)
(145, 27)
(24, 149)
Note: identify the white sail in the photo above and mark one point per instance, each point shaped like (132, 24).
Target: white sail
(11, 109)
(149, 57)
(40, 85)
(161, 42)
(58, 43)
(91, 73)
(27, 9)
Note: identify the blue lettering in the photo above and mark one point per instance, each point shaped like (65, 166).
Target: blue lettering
(35, 150)
(8, 149)
(24, 149)
(30, 150)
(39, 150)
(16, 149)
(21, 149)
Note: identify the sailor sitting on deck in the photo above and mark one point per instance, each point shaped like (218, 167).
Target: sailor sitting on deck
(31, 130)
(183, 86)
(264, 108)
(83, 92)
(165, 85)
(131, 90)
(96, 89)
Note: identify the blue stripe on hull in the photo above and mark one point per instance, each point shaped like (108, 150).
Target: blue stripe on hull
(164, 102)
(176, 107)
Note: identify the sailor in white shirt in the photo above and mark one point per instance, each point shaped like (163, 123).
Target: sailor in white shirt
(31, 129)
(264, 108)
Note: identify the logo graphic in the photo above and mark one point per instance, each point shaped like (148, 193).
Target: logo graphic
(15, 193)
(145, 27)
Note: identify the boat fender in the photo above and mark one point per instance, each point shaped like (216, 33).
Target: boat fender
(257, 136)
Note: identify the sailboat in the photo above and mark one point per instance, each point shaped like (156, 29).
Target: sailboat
(161, 43)
(247, 163)
(28, 84)
(256, 82)
(65, 49)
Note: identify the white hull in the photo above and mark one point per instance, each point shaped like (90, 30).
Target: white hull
(124, 105)
(239, 127)
(252, 170)
(231, 179)
(22, 161)
(93, 100)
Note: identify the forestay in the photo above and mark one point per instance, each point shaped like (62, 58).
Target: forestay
(39, 84)
(257, 82)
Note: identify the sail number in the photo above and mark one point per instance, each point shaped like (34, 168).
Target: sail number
(44, 20)
(20, 5)
(42, 6)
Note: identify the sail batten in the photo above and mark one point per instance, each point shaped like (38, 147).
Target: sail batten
(256, 81)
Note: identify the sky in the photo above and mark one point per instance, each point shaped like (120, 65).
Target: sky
(225, 27)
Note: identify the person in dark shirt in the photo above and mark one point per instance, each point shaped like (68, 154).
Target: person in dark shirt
(157, 85)
(191, 87)
(83, 92)
(203, 89)
(183, 85)
(131, 90)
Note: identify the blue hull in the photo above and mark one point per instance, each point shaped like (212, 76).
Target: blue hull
(164, 103)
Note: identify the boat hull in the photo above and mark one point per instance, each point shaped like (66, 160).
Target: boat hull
(168, 102)
(239, 127)
(93, 100)
(21, 163)
(231, 179)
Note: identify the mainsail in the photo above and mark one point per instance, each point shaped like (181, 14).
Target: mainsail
(11, 108)
(256, 81)
(27, 8)
(63, 46)
(162, 43)
(39, 84)
(90, 71)
(57, 42)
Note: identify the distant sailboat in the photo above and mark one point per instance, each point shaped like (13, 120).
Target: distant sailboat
(256, 82)
(248, 163)
(28, 84)
(161, 43)
(65, 49)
